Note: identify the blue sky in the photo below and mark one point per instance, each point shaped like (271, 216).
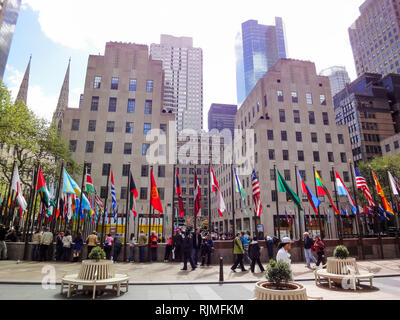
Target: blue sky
(53, 31)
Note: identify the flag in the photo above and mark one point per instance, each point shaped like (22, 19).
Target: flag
(287, 217)
(113, 197)
(197, 196)
(344, 211)
(67, 187)
(256, 194)
(382, 213)
(133, 194)
(343, 191)
(362, 184)
(322, 190)
(215, 188)
(312, 198)
(330, 217)
(89, 188)
(284, 187)
(155, 197)
(379, 190)
(179, 193)
(42, 189)
(393, 185)
(239, 188)
(17, 187)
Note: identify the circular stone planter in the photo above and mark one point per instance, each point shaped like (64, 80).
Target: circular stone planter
(339, 266)
(266, 291)
(96, 270)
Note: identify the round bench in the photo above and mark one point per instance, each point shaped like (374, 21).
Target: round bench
(322, 273)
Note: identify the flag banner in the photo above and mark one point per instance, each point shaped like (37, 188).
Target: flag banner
(379, 190)
(362, 184)
(215, 188)
(133, 194)
(89, 187)
(113, 197)
(239, 188)
(17, 187)
(393, 185)
(312, 198)
(197, 195)
(343, 191)
(155, 197)
(256, 194)
(179, 193)
(284, 187)
(42, 189)
(322, 190)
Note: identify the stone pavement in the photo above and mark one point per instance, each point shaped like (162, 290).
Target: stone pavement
(163, 273)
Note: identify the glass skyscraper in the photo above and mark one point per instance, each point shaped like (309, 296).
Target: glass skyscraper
(338, 78)
(9, 10)
(262, 47)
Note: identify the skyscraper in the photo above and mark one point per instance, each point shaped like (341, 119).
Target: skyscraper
(338, 78)
(222, 116)
(183, 82)
(374, 37)
(9, 10)
(262, 47)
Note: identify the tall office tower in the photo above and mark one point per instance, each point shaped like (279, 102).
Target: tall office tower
(222, 116)
(9, 11)
(122, 102)
(262, 47)
(338, 78)
(366, 108)
(183, 82)
(374, 37)
(240, 86)
(291, 112)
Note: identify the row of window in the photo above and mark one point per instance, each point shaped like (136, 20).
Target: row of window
(115, 84)
(395, 144)
(299, 137)
(108, 147)
(112, 105)
(300, 156)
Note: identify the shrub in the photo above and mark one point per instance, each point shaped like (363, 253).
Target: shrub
(278, 273)
(341, 252)
(97, 254)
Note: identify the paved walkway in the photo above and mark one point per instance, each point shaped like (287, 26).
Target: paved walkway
(160, 273)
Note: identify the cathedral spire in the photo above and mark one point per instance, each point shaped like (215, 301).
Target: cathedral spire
(23, 89)
(62, 104)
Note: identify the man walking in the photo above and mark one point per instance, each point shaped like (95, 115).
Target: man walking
(3, 246)
(246, 243)
(238, 251)
(308, 243)
(142, 242)
(46, 241)
(187, 251)
(197, 239)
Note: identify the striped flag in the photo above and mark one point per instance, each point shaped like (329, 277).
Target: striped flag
(215, 188)
(379, 191)
(179, 193)
(113, 197)
(256, 194)
(393, 185)
(343, 191)
(362, 184)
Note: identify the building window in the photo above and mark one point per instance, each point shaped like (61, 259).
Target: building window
(128, 148)
(280, 96)
(143, 193)
(97, 82)
(110, 126)
(322, 99)
(285, 155)
(325, 118)
(103, 192)
(343, 157)
(282, 116)
(316, 156)
(89, 146)
(161, 171)
(270, 135)
(314, 137)
(123, 193)
(296, 115)
(303, 175)
(274, 195)
(72, 145)
(284, 135)
(340, 139)
(149, 85)
(299, 136)
(311, 117)
(387, 147)
(161, 193)
(75, 125)
(112, 106)
(106, 169)
(309, 98)
(132, 84)
(330, 157)
(396, 144)
(271, 153)
(287, 175)
(295, 98)
(129, 127)
(148, 107)
(147, 128)
(145, 147)
(328, 138)
(131, 105)
(125, 170)
(92, 126)
(300, 155)
(346, 176)
(114, 83)
(108, 146)
(95, 104)
(145, 171)
(184, 170)
(163, 128)
(265, 101)
(272, 174)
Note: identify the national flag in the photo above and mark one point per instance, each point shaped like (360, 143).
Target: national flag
(330, 217)
(393, 185)
(256, 194)
(284, 187)
(42, 189)
(343, 191)
(239, 188)
(383, 212)
(89, 187)
(344, 211)
(133, 194)
(312, 198)
(155, 197)
(322, 190)
(215, 188)
(113, 197)
(362, 184)
(197, 196)
(17, 187)
(179, 194)
(67, 186)
(379, 190)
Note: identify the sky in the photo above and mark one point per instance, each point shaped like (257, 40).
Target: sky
(54, 31)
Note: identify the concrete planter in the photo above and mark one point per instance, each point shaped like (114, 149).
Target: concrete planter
(340, 266)
(293, 291)
(96, 270)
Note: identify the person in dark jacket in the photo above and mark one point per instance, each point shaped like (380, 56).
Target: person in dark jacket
(187, 251)
(270, 247)
(77, 249)
(59, 246)
(308, 243)
(197, 240)
(254, 253)
(12, 236)
(206, 249)
(319, 247)
(3, 245)
(117, 248)
(177, 242)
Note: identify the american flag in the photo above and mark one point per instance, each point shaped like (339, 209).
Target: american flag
(256, 194)
(362, 184)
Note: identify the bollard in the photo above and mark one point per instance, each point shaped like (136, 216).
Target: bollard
(221, 270)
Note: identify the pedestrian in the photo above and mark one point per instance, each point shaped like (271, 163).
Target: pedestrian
(36, 238)
(238, 251)
(67, 244)
(270, 247)
(108, 244)
(142, 241)
(46, 241)
(197, 240)
(254, 252)
(12, 236)
(308, 244)
(207, 248)
(153, 246)
(78, 244)
(177, 242)
(3, 245)
(319, 247)
(168, 249)
(132, 243)
(59, 246)
(92, 241)
(117, 248)
(187, 251)
(245, 243)
(283, 250)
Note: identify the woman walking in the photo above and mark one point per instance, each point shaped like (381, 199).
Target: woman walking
(254, 253)
(108, 244)
(154, 246)
(67, 244)
(319, 248)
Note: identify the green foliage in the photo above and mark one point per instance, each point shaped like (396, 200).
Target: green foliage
(341, 252)
(278, 272)
(97, 254)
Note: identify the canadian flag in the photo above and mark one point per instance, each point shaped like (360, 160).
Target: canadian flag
(215, 188)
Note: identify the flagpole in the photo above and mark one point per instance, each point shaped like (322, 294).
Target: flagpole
(105, 207)
(233, 201)
(80, 198)
(319, 214)
(194, 207)
(8, 212)
(277, 204)
(298, 210)
(57, 198)
(209, 196)
(173, 202)
(127, 208)
(150, 207)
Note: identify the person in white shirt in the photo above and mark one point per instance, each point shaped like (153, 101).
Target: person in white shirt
(283, 250)
(67, 244)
